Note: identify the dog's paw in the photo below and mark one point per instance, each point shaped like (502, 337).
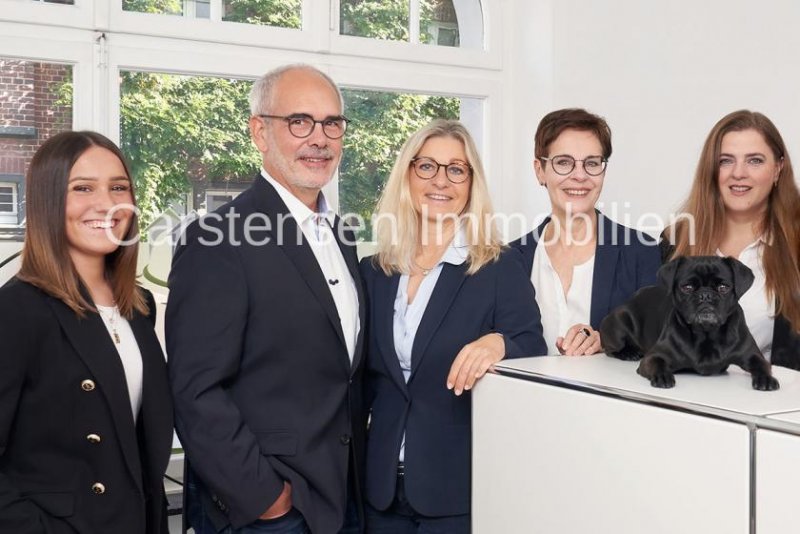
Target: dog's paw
(663, 380)
(765, 383)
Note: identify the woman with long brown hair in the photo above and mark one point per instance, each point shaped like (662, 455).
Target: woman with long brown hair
(85, 410)
(744, 203)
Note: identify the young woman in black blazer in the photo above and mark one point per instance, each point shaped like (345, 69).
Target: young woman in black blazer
(85, 410)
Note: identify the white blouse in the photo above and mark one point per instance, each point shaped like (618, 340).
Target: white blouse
(129, 353)
(759, 310)
(560, 311)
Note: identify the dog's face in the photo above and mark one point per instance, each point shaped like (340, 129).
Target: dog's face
(705, 289)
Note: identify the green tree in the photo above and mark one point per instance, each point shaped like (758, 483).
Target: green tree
(176, 130)
(382, 122)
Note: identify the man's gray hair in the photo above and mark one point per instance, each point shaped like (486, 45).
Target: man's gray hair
(262, 94)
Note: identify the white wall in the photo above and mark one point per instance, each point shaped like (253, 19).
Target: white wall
(662, 73)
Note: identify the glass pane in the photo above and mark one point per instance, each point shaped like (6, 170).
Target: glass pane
(161, 7)
(438, 23)
(184, 135)
(379, 19)
(37, 103)
(382, 121)
(282, 13)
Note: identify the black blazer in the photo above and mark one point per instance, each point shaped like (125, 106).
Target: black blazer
(619, 269)
(785, 341)
(61, 380)
(263, 386)
(462, 308)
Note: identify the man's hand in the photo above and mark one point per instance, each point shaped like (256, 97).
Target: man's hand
(282, 504)
(474, 360)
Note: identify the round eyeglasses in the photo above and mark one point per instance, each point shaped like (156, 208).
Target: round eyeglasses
(302, 125)
(565, 164)
(456, 171)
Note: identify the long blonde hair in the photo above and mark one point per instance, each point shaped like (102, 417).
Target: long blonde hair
(397, 221)
(781, 257)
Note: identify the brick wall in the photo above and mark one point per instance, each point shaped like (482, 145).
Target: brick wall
(28, 110)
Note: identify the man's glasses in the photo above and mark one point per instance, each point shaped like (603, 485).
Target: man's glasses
(456, 171)
(565, 164)
(302, 125)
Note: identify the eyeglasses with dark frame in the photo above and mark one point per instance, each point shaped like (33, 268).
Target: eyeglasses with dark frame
(564, 164)
(456, 171)
(301, 125)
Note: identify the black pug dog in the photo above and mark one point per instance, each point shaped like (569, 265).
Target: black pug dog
(692, 321)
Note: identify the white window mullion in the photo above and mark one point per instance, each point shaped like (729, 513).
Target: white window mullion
(413, 21)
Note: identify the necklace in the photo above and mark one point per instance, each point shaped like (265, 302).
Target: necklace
(425, 272)
(111, 317)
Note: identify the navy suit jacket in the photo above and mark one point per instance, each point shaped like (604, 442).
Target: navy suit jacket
(462, 308)
(619, 268)
(264, 388)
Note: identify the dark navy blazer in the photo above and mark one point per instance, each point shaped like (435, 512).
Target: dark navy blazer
(462, 308)
(619, 268)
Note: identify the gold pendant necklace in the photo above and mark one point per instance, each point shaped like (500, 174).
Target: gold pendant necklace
(112, 321)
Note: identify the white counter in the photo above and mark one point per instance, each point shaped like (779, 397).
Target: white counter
(571, 445)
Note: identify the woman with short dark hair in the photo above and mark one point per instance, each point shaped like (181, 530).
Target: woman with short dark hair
(581, 263)
(85, 410)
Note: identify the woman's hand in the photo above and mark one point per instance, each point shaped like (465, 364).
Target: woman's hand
(474, 360)
(580, 340)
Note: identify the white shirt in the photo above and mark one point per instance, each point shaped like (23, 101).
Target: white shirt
(129, 353)
(759, 310)
(408, 315)
(317, 228)
(560, 311)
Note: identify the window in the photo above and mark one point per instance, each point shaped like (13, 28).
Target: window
(11, 206)
(8, 199)
(215, 199)
(433, 22)
(281, 13)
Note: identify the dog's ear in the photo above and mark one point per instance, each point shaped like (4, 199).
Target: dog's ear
(666, 274)
(742, 276)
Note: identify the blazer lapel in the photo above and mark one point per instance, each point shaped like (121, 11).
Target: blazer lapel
(383, 304)
(605, 269)
(351, 259)
(447, 286)
(293, 243)
(91, 341)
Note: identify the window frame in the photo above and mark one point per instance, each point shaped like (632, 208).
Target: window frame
(15, 218)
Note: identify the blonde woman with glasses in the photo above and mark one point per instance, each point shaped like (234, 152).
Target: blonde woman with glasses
(446, 302)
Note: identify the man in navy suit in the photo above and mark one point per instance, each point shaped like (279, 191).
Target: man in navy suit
(264, 331)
